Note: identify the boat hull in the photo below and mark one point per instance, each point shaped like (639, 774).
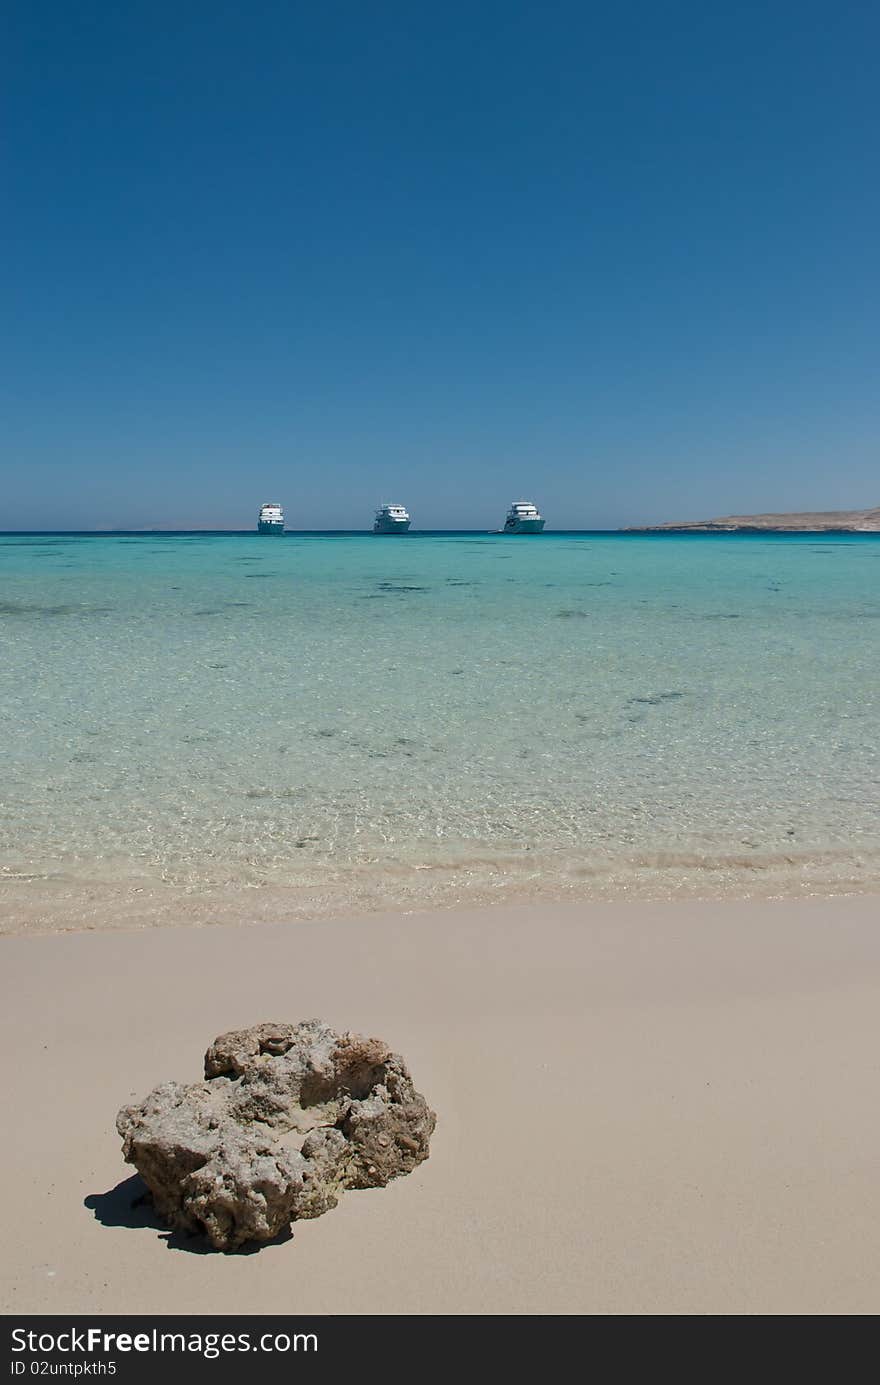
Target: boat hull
(268, 526)
(524, 526)
(391, 526)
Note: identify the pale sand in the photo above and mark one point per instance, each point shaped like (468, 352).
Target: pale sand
(642, 1108)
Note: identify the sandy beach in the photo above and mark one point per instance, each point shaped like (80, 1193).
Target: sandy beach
(642, 1108)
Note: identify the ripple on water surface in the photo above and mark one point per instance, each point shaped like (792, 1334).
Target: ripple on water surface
(592, 716)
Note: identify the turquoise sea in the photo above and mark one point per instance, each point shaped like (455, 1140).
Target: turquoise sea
(334, 723)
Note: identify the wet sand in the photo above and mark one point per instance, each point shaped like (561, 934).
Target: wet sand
(642, 1108)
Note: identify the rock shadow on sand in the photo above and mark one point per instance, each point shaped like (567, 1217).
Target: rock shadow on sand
(130, 1204)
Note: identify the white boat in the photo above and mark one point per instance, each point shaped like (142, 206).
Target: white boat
(271, 519)
(391, 519)
(523, 518)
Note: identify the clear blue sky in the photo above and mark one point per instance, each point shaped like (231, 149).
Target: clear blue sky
(621, 259)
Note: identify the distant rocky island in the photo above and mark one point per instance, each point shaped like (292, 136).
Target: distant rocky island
(820, 521)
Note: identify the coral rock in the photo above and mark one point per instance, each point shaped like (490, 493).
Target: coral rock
(288, 1116)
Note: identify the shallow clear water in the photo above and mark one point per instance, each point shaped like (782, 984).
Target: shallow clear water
(426, 718)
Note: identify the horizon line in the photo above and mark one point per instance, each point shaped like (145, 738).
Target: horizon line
(631, 531)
